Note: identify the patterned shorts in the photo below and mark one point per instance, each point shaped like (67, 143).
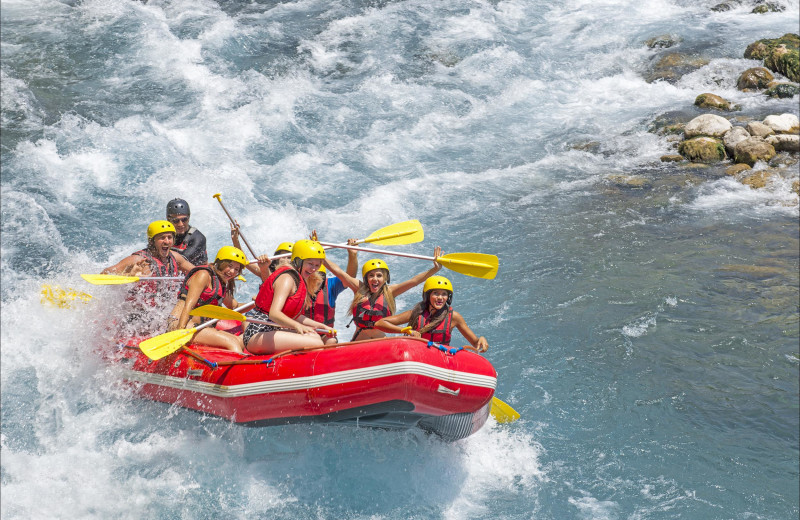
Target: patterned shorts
(254, 328)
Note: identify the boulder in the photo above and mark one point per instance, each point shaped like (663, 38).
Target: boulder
(664, 41)
(736, 135)
(714, 101)
(673, 66)
(780, 55)
(707, 125)
(784, 142)
(752, 150)
(726, 6)
(758, 179)
(782, 90)
(783, 124)
(736, 169)
(672, 158)
(702, 150)
(769, 7)
(755, 78)
(757, 129)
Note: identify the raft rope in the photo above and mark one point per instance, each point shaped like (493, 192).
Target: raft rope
(452, 351)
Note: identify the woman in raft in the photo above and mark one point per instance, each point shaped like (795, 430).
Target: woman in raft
(210, 285)
(433, 318)
(281, 300)
(374, 295)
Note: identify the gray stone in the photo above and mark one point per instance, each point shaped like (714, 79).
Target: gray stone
(783, 124)
(736, 135)
(784, 142)
(707, 125)
(752, 150)
(757, 129)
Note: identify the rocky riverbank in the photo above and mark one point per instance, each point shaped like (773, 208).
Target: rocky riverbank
(758, 151)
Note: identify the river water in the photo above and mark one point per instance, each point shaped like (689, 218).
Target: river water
(646, 331)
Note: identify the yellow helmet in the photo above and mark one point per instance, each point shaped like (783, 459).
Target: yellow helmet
(438, 282)
(371, 265)
(231, 253)
(159, 226)
(284, 246)
(306, 250)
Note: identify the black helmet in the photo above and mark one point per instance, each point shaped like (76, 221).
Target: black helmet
(177, 207)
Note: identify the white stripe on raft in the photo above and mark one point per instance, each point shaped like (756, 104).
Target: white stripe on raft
(308, 382)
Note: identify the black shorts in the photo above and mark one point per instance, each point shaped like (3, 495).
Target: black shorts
(254, 328)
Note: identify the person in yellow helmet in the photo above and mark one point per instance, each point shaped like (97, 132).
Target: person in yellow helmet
(145, 302)
(374, 294)
(157, 259)
(281, 300)
(210, 285)
(433, 318)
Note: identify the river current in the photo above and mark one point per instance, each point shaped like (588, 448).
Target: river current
(647, 332)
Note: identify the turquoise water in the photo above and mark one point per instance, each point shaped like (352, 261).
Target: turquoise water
(648, 335)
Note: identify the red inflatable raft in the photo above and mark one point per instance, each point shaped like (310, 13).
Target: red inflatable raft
(398, 382)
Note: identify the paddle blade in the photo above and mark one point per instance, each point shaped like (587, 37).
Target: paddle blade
(479, 265)
(408, 232)
(62, 298)
(215, 312)
(165, 344)
(502, 412)
(109, 279)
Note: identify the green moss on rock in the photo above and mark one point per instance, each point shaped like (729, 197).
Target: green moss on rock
(779, 54)
(702, 150)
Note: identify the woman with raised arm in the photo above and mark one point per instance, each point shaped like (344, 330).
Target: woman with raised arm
(374, 294)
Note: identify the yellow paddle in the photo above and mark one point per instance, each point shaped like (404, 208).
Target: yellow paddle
(479, 265)
(402, 233)
(62, 298)
(165, 344)
(221, 313)
(502, 412)
(115, 279)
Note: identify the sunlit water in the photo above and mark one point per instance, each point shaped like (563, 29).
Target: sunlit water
(648, 336)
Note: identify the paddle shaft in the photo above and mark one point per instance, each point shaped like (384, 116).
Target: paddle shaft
(218, 196)
(379, 251)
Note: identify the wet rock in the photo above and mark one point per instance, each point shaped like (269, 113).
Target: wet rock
(796, 187)
(726, 6)
(714, 101)
(783, 124)
(736, 135)
(707, 125)
(628, 181)
(702, 150)
(754, 79)
(784, 142)
(757, 129)
(769, 7)
(752, 150)
(780, 54)
(672, 158)
(670, 123)
(784, 160)
(782, 90)
(737, 169)
(673, 66)
(758, 179)
(585, 146)
(664, 41)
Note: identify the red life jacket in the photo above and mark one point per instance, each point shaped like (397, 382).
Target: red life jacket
(294, 303)
(212, 296)
(366, 314)
(147, 292)
(157, 267)
(320, 310)
(441, 334)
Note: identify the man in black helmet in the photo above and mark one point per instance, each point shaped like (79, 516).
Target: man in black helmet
(188, 240)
